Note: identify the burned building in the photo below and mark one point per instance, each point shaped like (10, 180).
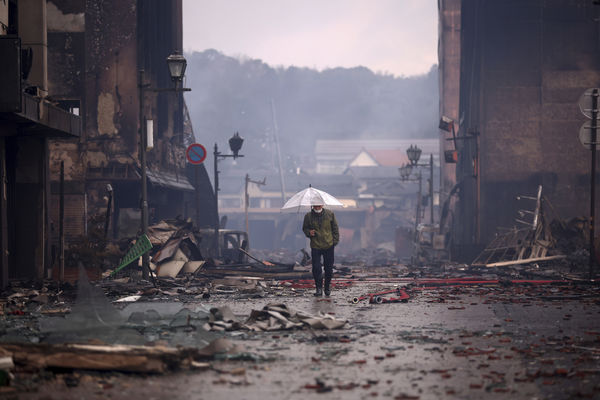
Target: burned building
(29, 120)
(96, 52)
(512, 75)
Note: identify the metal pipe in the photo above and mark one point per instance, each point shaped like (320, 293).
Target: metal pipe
(144, 186)
(431, 188)
(252, 257)
(61, 225)
(593, 180)
(418, 217)
(216, 238)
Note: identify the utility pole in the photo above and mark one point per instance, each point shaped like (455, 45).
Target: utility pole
(276, 135)
(247, 196)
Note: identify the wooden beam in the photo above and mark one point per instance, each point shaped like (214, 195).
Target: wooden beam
(522, 261)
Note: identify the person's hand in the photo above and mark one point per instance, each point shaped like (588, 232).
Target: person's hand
(312, 232)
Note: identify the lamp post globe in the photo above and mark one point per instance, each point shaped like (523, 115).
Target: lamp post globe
(405, 171)
(413, 153)
(235, 144)
(177, 64)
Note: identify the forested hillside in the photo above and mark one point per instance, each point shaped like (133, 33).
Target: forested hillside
(237, 94)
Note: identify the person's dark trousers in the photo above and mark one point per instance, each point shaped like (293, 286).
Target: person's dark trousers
(317, 271)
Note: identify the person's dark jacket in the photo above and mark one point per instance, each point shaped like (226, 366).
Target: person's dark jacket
(327, 233)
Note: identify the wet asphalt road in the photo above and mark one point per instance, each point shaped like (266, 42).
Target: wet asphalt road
(467, 342)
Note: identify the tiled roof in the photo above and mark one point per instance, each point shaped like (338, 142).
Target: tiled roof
(389, 157)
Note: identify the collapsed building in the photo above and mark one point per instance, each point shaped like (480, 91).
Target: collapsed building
(97, 65)
(29, 120)
(511, 76)
(95, 52)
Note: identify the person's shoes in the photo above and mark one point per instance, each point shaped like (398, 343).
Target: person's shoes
(319, 292)
(327, 292)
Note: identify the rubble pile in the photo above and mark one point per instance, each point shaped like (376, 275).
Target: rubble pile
(272, 317)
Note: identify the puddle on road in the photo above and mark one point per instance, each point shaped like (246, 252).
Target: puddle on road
(94, 318)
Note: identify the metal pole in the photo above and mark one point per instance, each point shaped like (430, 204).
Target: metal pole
(197, 193)
(3, 217)
(216, 238)
(431, 188)
(61, 225)
(246, 200)
(418, 218)
(144, 188)
(593, 180)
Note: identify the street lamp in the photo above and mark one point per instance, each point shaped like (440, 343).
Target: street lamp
(405, 171)
(235, 144)
(413, 153)
(176, 63)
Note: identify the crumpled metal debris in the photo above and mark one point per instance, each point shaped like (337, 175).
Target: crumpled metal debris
(272, 317)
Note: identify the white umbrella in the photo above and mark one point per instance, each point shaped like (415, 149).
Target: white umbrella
(310, 197)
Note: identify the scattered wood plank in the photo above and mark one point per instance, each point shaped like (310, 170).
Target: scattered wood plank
(141, 359)
(524, 261)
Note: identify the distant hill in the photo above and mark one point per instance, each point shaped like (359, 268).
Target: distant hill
(235, 94)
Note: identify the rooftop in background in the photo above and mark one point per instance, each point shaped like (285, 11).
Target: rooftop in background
(379, 158)
(335, 156)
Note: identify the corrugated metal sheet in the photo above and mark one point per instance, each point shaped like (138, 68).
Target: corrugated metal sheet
(169, 180)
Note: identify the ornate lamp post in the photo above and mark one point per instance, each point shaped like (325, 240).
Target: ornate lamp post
(176, 63)
(235, 144)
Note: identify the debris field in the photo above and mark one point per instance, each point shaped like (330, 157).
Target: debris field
(386, 332)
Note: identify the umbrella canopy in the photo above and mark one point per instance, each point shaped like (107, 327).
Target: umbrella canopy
(310, 197)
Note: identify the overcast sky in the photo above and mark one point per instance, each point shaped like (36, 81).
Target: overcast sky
(391, 36)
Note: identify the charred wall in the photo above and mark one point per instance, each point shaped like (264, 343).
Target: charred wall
(449, 78)
(96, 50)
(524, 65)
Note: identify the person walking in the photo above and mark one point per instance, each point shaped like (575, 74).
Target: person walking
(321, 227)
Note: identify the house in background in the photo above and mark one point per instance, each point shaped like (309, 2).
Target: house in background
(335, 156)
(268, 226)
(379, 158)
(367, 181)
(393, 202)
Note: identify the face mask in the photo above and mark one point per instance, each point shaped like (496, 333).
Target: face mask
(319, 211)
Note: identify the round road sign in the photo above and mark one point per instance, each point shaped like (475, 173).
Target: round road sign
(586, 99)
(195, 154)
